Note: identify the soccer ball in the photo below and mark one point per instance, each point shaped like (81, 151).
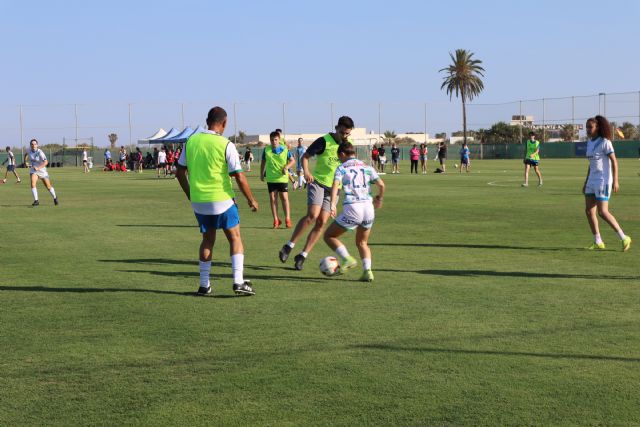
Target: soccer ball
(455, 165)
(329, 266)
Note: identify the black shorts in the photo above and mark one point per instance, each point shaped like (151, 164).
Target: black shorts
(531, 162)
(161, 165)
(282, 187)
(84, 161)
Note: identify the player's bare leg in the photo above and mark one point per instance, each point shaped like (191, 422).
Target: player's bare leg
(284, 198)
(362, 242)
(273, 202)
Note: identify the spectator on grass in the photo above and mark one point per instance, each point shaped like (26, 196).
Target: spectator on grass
(424, 156)
(442, 156)
(382, 158)
(375, 156)
(107, 156)
(414, 155)
(395, 158)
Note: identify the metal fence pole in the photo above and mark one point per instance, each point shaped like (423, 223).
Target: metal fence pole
(235, 125)
(22, 132)
(379, 120)
(425, 122)
(520, 127)
(75, 110)
(130, 133)
(284, 124)
(544, 129)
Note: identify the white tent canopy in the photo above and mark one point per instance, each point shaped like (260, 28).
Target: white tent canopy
(159, 134)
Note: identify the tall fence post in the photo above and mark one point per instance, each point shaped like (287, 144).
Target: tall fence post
(544, 128)
(22, 132)
(520, 122)
(573, 117)
(130, 132)
(235, 125)
(75, 111)
(379, 120)
(284, 124)
(425, 122)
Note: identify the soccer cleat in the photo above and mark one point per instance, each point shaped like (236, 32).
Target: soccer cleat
(276, 223)
(626, 244)
(35, 203)
(347, 263)
(55, 201)
(4, 181)
(524, 185)
(299, 261)
(287, 222)
(202, 291)
(540, 184)
(596, 247)
(284, 253)
(243, 289)
(367, 276)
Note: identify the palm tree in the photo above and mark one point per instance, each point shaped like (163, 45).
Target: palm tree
(463, 78)
(389, 135)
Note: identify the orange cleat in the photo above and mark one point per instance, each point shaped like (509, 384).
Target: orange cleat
(276, 223)
(288, 222)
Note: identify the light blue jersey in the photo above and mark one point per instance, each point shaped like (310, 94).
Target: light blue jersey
(356, 178)
(299, 153)
(464, 153)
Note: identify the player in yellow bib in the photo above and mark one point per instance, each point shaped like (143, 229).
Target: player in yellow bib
(206, 165)
(275, 164)
(532, 158)
(325, 149)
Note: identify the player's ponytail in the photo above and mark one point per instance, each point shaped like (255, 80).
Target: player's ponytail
(604, 128)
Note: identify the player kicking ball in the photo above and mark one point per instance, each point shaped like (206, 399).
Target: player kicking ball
(356, 178)
(38, 170)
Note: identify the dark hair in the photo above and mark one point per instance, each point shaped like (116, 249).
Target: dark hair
(34, 140)
(532, 133)
(347, 149)
(346, 122)
(604, 128)
(279, 130)
(216, 115)
(300, 139)
(8, 148)
(273, 135)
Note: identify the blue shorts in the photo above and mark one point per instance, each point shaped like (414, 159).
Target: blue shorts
(226, 220)
(531, 162)
(464, 161)
(11, 168)
(600, 191)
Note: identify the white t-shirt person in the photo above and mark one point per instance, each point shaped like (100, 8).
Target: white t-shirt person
(598, 151)
(37, 159)
(233, 166)
(162, 158)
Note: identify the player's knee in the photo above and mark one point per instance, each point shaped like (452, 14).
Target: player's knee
(321, 221)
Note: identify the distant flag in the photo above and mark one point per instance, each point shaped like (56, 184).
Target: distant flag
(619, 133)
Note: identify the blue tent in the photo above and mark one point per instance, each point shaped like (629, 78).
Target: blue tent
(172, 132)
(181, 137)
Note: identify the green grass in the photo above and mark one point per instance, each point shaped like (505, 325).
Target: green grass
(485, 309)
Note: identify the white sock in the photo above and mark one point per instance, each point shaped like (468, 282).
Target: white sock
(366, 264)
(34, 191)
(342, 251)
(304, 254)
(291, 244)
(53, 192)
(205, 269)
(597, 238)
(621, 234)
(237, 266)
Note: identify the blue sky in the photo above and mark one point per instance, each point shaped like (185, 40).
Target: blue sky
(307, 54)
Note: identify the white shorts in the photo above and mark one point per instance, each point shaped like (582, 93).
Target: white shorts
(356, 215)
(601, 190)
(42, 174)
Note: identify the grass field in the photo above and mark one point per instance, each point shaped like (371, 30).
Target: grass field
(485, 309)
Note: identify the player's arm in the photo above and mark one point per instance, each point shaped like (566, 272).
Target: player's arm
(183, 180)
(377, 201)
(614, 171)
(263, 166)
(334, 197)
(243, 185)
(289, 165)
(43, 165)
(584, 186)
(305, 167)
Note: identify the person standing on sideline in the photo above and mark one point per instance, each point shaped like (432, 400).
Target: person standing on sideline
(122, 157)
(107, 157)
(85, 161)
(395, 158)
(375, 156)
(205, 167)
(139, 160)
(300, 150)
(464, 157)
(275, 164)
(442, 156)
(532, 158)
(248, 158)
(162, 163)
(382, 158)
(424, 156)
(414, 155)
(38, 170)
(319, 186)
(356, 178)
(11, 166)
(602, 179)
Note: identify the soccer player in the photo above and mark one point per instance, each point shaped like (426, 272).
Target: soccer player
(11, 166)
(382, 158)
(424, 157)
(355, 178)
(464, 157)
(248, 158)
(602, 178)
(162, 163)
(85, 161)
(38, 170)
(319, 186)
(300, 150)
(122, 157)
(275, 164)
(532, 158)
(442, 156)
(206, 165)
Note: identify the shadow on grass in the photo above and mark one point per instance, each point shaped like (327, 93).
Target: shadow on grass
(104, 290)
(168, 261)
(470, 246)
(389, 347)
(195, 273)
(158, 225)
(524, 274)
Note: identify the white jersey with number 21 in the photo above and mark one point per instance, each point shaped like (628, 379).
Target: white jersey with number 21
(356, 177)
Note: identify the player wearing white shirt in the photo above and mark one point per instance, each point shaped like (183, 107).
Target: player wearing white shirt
(38, 170)
(355, 177)
(85, 161)
(602, 179)
(11, 166)
(162, 162)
